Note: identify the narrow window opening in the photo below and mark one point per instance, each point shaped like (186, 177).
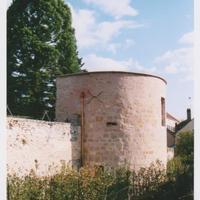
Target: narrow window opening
(163, 122)
(111, 123)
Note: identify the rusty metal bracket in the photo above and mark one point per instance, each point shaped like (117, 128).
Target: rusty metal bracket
(95, 97)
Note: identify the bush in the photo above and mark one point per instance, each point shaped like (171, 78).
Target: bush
(152, 183)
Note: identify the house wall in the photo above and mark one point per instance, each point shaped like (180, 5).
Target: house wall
(170, 139)
(171, 122)
(122, 116)
(40, 145)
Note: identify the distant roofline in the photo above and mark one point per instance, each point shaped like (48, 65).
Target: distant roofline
(170, 116)
(188, 122)
(106, 72)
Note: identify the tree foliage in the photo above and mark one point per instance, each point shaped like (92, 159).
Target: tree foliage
(40, 46)
(184, 144)
(184, 149)
(182, 165)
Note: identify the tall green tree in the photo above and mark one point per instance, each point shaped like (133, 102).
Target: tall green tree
(41, 45)
(185, 147)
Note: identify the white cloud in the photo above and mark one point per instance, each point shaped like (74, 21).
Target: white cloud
(177, 61)
(90, 33)
(187, 38)
(106, 30)
(113, 47)
(115, 8)
(84, 22)
(99, 63)
(129, 43)
(171, 69)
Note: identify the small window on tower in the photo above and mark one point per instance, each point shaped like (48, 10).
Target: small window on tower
(163, 111)
(111, 123)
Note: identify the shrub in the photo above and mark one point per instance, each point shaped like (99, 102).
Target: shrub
(152, 183)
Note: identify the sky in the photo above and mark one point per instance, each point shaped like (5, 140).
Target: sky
(139, 36)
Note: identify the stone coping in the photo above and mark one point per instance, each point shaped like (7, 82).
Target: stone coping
(112, 72)
(20, 118)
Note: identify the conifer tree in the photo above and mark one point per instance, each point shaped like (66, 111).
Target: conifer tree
(41, 45)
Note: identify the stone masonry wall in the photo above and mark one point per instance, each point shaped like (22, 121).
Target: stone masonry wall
(40, 145)
(122, 116)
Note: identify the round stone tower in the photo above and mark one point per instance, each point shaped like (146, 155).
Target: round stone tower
(122, 116)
